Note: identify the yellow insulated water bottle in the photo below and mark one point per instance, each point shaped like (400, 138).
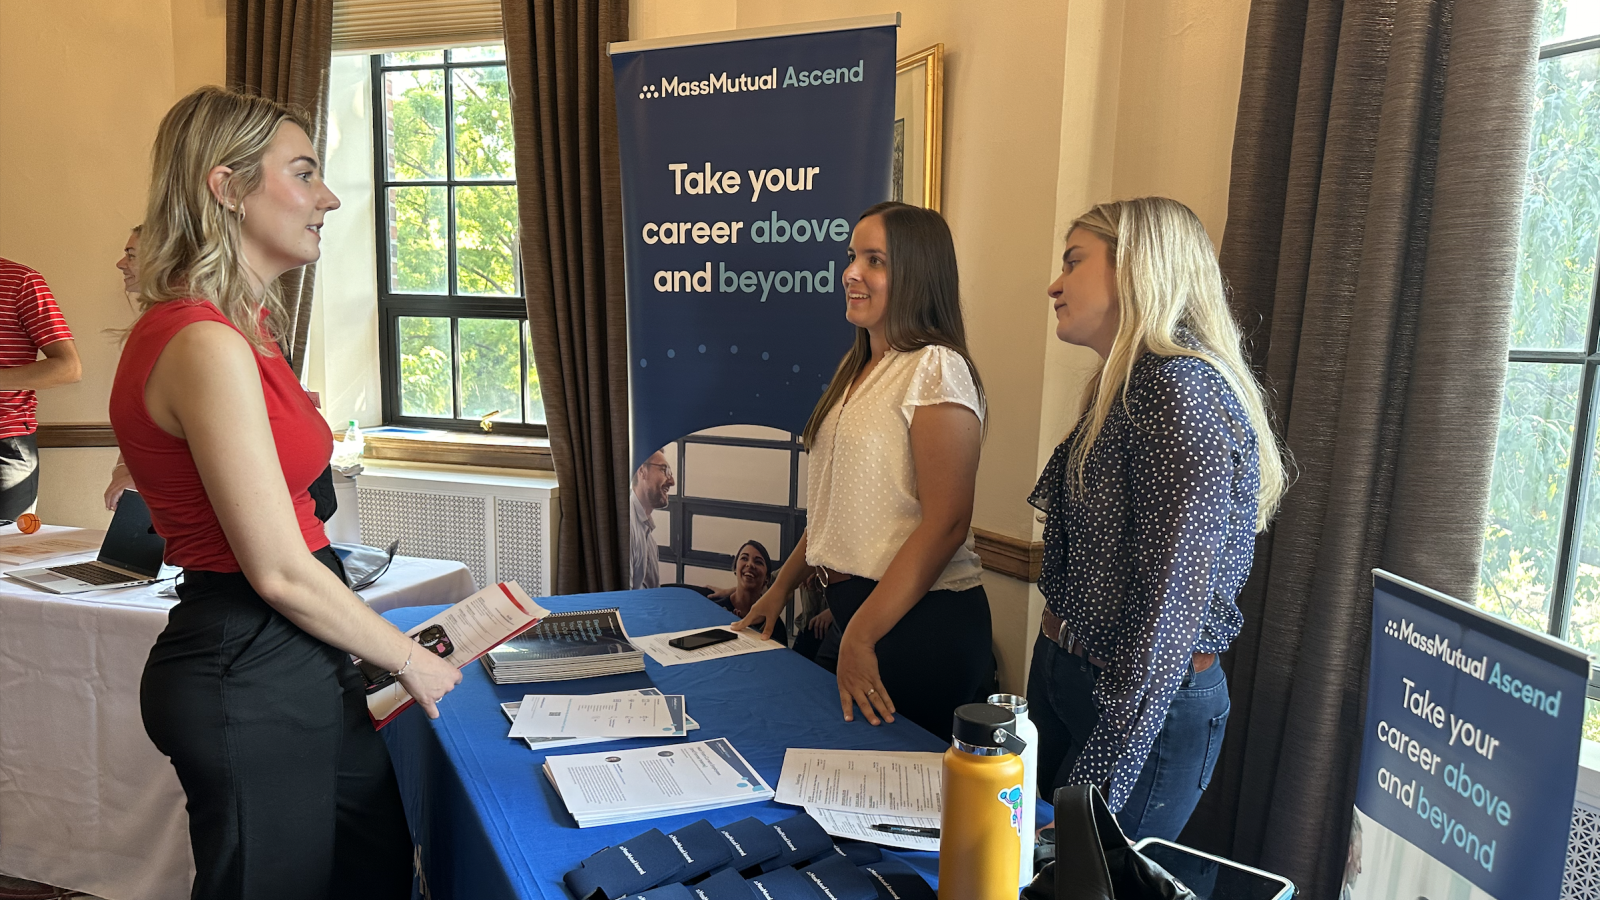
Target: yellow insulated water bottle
(980, 827)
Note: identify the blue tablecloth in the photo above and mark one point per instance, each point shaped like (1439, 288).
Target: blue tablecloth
(487, 821)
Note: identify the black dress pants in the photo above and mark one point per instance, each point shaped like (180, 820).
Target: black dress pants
(937, 657)
(19, 476)
(290, 790)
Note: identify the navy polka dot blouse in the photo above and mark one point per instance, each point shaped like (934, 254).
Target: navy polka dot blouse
(1144, 566)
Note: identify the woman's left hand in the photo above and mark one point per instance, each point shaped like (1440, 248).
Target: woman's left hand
(859, 684)
(121, 480)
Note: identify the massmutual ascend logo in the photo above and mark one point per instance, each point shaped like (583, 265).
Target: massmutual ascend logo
(723, 83)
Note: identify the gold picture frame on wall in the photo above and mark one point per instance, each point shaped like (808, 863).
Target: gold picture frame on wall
(919, 129)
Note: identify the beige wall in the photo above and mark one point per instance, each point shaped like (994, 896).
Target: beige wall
(661, 18)
(1049, 108)
(83, 84)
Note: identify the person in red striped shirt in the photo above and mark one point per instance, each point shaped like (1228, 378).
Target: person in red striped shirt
(30, 324)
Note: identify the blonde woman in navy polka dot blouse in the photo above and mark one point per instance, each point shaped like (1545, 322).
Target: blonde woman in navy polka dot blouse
(1151, 507)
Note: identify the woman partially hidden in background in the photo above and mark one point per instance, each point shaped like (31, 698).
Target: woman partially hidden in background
(752, 573)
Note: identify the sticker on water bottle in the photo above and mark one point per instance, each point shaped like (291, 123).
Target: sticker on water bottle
(1012, 797)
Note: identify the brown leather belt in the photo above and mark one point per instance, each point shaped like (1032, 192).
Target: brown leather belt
(1057, 631)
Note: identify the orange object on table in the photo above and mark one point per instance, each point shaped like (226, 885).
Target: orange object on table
(28, 523)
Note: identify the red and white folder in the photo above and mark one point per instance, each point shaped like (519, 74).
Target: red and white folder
(474, 626)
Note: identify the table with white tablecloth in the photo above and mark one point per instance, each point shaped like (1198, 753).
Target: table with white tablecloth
(86, 801)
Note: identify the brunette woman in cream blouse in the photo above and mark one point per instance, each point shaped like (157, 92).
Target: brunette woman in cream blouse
(893, 455)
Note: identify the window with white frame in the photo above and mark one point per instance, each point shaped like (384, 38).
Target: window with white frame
(454, 344)
(1541, 549)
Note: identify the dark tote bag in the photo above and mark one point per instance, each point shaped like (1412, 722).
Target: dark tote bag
(1094, 860)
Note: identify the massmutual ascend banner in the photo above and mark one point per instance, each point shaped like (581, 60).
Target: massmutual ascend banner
(747, 157)
(1469, 760)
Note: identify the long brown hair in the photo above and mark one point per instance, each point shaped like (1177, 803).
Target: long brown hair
(191, 245)
(924, 300)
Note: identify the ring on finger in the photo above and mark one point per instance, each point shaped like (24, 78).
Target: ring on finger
(871, 691)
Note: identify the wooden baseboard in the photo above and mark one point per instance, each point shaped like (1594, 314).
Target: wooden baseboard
(77, 434)
(1009, 555)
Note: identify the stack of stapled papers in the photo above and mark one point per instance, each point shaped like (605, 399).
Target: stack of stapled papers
(648, 782)
(621, 714)
(550, 743)
(890, 798)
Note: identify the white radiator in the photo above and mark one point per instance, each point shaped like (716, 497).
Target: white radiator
(501, 523)
(1582, 878)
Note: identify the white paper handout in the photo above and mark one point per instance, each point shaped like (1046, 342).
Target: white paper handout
(648, 782)
(484, 620)
(858, 826)
(546, 744)
(656, 645)
(616, 715)
(16, 549)
(869, 781)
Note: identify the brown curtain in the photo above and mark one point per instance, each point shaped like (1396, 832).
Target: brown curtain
(282, 49)
(569, 188)
(1373, 215)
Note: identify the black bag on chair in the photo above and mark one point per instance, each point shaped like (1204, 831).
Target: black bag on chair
(1094, 860)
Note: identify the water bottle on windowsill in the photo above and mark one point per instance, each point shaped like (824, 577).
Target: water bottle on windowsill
(347, 451)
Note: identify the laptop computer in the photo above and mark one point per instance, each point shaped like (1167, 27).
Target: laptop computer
(131, 554)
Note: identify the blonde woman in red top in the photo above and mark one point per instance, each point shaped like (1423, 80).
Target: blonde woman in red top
(250, 689)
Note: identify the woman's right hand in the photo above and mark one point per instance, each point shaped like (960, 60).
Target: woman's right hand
(429, 679)
(768, 607)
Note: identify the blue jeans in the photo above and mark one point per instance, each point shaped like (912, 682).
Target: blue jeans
(1061, 704)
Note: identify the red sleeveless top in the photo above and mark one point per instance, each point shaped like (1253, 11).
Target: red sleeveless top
(164, 470)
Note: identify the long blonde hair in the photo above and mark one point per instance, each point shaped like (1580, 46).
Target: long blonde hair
(924, 300)
(191, 245)
(1168, 280)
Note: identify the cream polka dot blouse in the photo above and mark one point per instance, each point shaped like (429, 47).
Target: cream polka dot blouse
(861, 490)
(1145, 565)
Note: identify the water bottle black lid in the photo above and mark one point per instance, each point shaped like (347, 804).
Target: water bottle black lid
(977, 724)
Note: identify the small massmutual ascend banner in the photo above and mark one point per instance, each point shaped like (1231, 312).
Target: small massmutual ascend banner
(746, 158)
(1469, 758)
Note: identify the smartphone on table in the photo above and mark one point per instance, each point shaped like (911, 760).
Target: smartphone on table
(703, 639)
